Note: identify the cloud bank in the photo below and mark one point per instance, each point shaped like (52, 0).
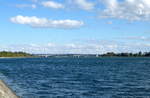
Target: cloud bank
(88, 47)
(46, 23)
(132, 10)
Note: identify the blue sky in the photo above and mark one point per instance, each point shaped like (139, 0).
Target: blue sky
(75, 26)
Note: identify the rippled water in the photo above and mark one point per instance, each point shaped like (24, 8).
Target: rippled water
(77, 77)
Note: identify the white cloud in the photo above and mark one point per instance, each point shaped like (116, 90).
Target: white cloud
(132, 10)
(84, 4)
(57, 48)
(46, 23)
(26, 6)
(52, 4)
(96, 47)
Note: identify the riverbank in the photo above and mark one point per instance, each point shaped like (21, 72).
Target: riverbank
(5, 54)
(20, 57)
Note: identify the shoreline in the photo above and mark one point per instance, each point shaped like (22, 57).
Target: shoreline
(74, 57)
(6, 91)
(15, 57)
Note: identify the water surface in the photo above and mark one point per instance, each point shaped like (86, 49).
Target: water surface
(77, 77)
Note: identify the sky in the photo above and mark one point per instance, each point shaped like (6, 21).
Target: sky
(75, 26)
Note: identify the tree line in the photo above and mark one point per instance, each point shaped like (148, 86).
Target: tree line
(14, 54)
(139, 54)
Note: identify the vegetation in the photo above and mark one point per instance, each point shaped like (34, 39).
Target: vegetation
(139, 54)
(14, 54)
(109, 54)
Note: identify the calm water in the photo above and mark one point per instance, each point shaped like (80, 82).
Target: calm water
(78, 77)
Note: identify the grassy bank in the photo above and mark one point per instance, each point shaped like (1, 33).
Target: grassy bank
(14, 54)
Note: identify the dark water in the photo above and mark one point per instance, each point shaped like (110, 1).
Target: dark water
(78, 77)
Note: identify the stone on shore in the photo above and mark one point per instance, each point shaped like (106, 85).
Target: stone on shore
(6, 92)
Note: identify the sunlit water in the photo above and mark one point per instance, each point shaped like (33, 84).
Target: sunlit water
(77, 77)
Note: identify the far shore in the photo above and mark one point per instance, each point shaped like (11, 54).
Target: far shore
(15, 57)
(77, 57)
